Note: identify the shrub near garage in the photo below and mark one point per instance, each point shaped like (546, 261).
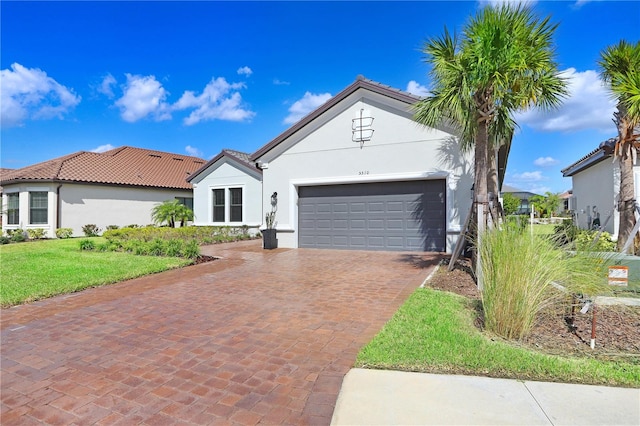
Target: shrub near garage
(167, 241)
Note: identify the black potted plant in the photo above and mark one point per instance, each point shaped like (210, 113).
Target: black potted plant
(269, 240)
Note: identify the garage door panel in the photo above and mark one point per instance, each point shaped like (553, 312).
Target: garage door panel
(357, 224)
(376, 216)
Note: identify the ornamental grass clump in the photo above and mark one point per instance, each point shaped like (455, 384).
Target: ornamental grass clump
(521, 277)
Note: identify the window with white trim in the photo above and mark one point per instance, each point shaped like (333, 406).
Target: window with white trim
(13, 208)
(38, 207)
(235, 210)
(218, 205)
(227, 205)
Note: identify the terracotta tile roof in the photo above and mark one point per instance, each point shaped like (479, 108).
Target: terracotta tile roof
(121, 166)
(241, 158)
(3, 172)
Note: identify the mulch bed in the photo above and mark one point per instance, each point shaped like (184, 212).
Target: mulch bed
(203, 259)
(617, 327)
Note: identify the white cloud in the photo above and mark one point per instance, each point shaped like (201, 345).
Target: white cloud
(279, 82)
(304, 106)
(588, 106)
(494, 3)
(143, 96)
(103, 148)
(579, 3)
(245, 71)
(193, 151)
(418, 89)
(106, 86)
(28, 93)
(545, 162)
(539, 189)
(528, 176)
(219, 100)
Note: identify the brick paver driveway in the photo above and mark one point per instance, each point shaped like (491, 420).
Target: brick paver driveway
(254, 337)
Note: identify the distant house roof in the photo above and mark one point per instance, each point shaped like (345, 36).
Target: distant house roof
(604, 151)
(360, 83)
(121, 166)
(516, 191)
(241, 158)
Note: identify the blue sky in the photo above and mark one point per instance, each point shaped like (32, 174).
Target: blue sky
(197, 77)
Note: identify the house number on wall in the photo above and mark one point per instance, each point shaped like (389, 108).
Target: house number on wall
(363, 172)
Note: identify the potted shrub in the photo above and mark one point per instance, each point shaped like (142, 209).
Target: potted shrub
(269, 240)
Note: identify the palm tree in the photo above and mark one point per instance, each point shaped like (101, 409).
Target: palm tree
(171, 211)
(503, 63)
(620, 69)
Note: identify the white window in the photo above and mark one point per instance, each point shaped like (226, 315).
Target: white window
(13, 208)
(218, 205)
(38, 207)
(227, 205)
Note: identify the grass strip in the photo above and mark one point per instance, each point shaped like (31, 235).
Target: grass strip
(434, 332)
(40, 269)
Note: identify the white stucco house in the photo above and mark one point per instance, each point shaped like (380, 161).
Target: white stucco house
(596, 185)
(356, 173)
(227, 191)
(118, 187)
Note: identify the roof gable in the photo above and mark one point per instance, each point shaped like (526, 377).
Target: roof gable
(360, 83)
(238, 158)
(121, 166)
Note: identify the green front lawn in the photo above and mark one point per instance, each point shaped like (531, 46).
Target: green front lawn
(434, 332)
(39, 269)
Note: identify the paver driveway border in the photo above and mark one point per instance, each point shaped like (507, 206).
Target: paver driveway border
(255, 337)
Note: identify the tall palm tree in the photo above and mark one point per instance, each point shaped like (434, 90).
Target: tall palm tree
(620, 69)
(503, 63)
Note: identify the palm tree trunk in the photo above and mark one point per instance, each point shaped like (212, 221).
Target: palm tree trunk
(492, 183)
(480, 181)
(627, 202)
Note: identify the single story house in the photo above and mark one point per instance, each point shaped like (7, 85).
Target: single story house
(227, 190)
(523, 196)
(596, 185)
(118, 187)
(356, 173)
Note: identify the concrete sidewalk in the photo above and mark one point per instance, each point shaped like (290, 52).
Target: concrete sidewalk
(376, 397)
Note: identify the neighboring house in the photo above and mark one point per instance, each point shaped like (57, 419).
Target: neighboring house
(596, 185)
(3, 172)
(228, 191)
(567, 204)
(117, 187)
(523, 196)
(356, 173)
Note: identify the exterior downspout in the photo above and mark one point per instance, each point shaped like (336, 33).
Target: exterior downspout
(58, 207)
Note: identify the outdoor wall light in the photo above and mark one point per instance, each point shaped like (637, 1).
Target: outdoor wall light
(274, 199)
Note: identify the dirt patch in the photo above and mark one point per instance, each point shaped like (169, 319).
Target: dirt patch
(203, 259)
(617, 327)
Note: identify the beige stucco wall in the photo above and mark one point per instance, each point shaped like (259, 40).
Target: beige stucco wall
(110, 205)
(400, 149)
(91, 204)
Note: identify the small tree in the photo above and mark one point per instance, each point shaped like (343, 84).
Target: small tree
(170, 212)
(510, 203)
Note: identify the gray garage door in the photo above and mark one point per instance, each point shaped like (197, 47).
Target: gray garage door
(405, 216)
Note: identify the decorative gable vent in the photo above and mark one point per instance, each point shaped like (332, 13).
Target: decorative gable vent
(362, 127)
